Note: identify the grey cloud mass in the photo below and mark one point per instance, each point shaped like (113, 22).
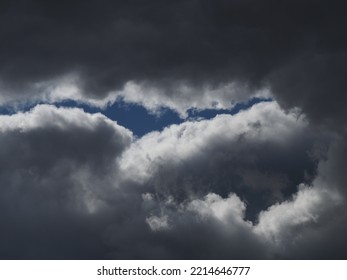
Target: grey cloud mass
(268, 182)
(294, 48)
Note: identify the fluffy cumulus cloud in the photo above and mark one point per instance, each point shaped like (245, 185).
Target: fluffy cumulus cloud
(254, 151)
(267, 182)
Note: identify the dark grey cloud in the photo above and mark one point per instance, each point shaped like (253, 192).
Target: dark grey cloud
(54, 170)
(297, 48)
(75, 185)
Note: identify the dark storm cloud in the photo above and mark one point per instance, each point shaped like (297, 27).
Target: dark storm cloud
(295, 47)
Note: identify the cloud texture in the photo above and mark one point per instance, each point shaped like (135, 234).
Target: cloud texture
(268, 182)
(176, 51)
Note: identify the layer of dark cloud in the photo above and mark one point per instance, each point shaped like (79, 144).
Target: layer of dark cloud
(297, 48)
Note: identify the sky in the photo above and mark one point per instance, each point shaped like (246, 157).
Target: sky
(193, 129)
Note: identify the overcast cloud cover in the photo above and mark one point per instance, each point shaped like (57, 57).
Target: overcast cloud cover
(267, 182)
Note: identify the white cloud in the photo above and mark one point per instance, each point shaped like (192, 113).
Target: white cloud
(264, 122)
(51, 116)
(158, 223)
(183, 97)
(179, 98)
(283, 223)
(228, 210)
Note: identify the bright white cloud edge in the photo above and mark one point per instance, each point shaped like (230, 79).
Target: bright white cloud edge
(181, 97)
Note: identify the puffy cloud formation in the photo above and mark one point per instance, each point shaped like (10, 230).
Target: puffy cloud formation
(254, 153)
(77, 185)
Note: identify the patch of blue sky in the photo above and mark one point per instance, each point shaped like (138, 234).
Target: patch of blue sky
(211, 113)
(139, 120)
